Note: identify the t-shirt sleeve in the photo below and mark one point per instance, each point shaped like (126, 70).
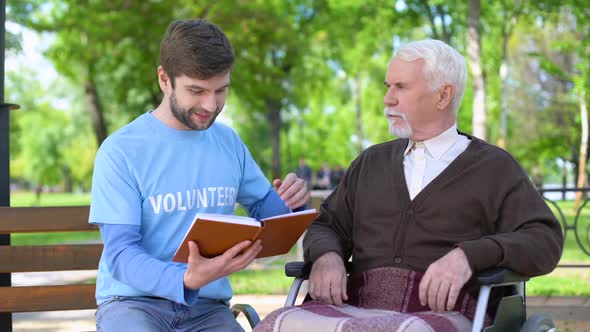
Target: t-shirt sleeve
(115, 197)
(253, 185)
(130, 264)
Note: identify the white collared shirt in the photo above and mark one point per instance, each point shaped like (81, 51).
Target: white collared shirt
(424, 161)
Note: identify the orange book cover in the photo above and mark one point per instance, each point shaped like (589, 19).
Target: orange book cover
(214, 233)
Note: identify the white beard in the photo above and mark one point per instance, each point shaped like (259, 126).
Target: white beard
(402, 131)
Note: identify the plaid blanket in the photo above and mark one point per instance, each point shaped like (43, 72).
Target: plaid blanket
(381, 299)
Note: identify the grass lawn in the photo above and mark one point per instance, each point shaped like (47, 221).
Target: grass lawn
(260, 282)
(552, 285)
(49, 199)
(267, 276)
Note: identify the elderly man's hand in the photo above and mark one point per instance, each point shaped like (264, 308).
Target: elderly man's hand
(444, 279)
(327, 280)
(292, 190)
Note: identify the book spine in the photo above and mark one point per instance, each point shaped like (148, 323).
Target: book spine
(257, 235)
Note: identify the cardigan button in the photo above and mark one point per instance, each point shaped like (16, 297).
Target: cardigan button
(397, 260)
(410, 211)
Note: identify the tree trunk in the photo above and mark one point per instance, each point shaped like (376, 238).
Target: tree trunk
(96, 111)
(563, 179)
(431, 18)
(501, 141)
(38, 192)
(509, 22)
(583, 148)
(358, 111)
(273, 109)
(474, 55)
(446, 34)
(67, 179)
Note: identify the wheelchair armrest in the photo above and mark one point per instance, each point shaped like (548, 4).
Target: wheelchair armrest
(298, 270)
(499, 276)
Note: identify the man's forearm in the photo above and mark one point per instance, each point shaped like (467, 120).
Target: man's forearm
(130, 264)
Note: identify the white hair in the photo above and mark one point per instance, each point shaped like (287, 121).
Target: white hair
(443, 65)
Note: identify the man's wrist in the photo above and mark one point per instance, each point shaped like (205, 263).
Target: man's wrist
(190, 282)
(330, 255)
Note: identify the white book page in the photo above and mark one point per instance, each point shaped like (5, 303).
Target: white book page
(224, 218)
(229, 218)
(308, 211)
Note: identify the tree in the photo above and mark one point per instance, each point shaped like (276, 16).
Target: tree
(542, 122)
(509, 14)
(581, 83)
(49, 146)
(271, 40)
(111, 57)
(478, 82)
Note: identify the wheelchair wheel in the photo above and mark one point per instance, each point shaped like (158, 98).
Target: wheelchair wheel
(538, 323)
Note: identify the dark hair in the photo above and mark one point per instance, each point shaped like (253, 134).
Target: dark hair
(195, 48)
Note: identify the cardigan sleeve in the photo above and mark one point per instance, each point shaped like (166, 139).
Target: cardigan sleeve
(332, 230)
(528, 238)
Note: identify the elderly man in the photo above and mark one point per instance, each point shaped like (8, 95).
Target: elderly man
(421, 214)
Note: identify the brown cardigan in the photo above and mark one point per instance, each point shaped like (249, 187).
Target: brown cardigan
(482, 202)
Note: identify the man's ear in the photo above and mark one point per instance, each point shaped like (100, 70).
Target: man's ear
(164, 81)
(445, 96)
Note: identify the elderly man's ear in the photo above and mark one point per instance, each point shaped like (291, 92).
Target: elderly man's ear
(445, 96)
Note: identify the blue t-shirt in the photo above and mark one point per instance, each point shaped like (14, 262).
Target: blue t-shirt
(152, 176)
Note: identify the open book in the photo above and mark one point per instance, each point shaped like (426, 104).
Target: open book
(215, 233)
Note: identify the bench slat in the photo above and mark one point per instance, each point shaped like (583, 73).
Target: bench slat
(47, 298)
(44, 219)
(49, 258)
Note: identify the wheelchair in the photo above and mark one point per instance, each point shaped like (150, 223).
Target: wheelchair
(510, 314)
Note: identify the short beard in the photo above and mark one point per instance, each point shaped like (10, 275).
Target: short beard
(404, 131)
(184, 115)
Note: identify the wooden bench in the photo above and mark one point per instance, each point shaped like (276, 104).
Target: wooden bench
(59, 257)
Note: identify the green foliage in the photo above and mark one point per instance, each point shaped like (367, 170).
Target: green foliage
(42, 150)
(544, 123)
(48, 145)
(13, 42)
(318, 64)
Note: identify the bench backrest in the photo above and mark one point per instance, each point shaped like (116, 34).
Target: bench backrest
(60, 257)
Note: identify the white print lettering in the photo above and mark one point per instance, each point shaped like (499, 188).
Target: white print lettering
(194, 198)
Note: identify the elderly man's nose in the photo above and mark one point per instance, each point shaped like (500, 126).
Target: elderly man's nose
(389, 99)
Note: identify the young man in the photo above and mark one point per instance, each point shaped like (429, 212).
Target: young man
(152, 176)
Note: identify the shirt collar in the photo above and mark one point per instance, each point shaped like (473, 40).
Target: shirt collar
(438, 145)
